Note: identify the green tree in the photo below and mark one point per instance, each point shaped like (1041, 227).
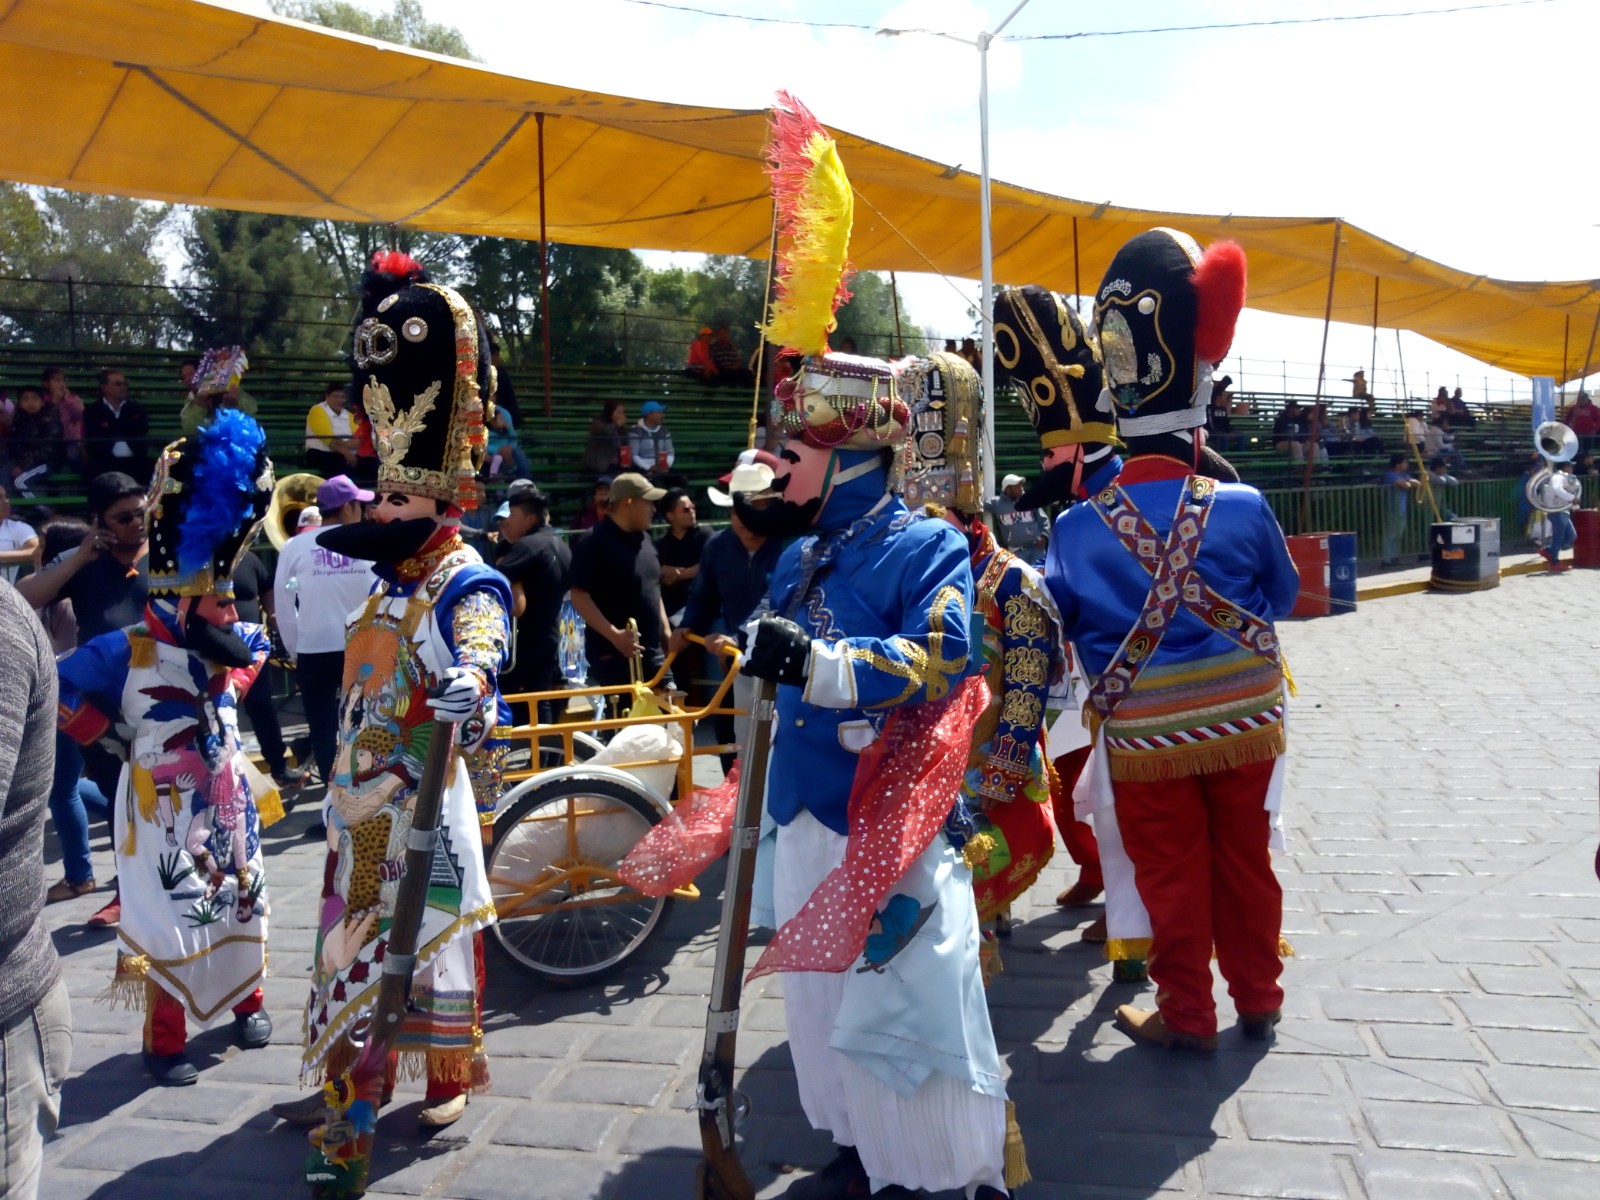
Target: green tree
(98, 279)
(404, 25)
(869, 318)
(252, 279)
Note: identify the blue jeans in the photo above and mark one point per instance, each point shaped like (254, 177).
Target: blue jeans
(1562, 533)
(35, 1053)
(66, 810)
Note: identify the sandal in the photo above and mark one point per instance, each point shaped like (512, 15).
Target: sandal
(67, 890)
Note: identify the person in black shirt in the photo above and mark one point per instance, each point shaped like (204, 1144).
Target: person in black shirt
(252, 596)
(616, 577)
(116, 431)
(679, 549)
(538, 563)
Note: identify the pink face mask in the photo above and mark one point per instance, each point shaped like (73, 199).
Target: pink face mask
(212, 610)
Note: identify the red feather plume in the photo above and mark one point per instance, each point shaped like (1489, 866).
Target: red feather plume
(394, 262)
(1219, 283)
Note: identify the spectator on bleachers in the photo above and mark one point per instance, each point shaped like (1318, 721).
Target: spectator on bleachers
(1358, 385)
(616, 578)
(330, 434)
(847, 345)
(598, 505)
(969, 351)
(1439, 442)
(1288, 432)
(679, 549)
(70, 409)
(33, 448)
(116, 432)
(950, 346)
(608, 439)
(366, 470)
(1440, 406)
(1398, 485)
(187, 369)
(538, 564)
(18, 541)
(505, 391)
(1359, 433)
(1584, 465)
(725, 356)
(1416, 427)
(650, 441)
(1219, 416)
(1441, 481)
(700, 364)
(1584, 419)
(1324, 432)
(1023, 531)
(1461, 417)
(505, 456)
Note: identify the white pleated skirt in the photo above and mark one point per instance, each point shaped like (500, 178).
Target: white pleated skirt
(941, 1132)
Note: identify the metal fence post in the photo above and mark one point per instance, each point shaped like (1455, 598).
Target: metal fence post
(627, 354)
(72, 315)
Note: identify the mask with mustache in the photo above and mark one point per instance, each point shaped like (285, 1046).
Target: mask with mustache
(213, 643)
(778, 518)
(388, 542)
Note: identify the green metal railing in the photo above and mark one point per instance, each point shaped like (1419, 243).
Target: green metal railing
(1365, 509)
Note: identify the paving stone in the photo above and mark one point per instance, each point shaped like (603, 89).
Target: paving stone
(1272, 1171)
(1398, 1177)
(1548, 1183)
(1445, 1129)
(1412, 1081)
(1515, 1012)
(1567, 1136)
(557, 1126)
(166, 1149)
(1382, 1006)
(1292, 1119)
(1083, 1160)
(1520, 981)
(1400, 977)
(211, 1106)
(1526, 1047)
(607, 1083)
(662, 1133)
(1546, 1087)
(1428, 1042)
(509, 1175)
(666, 1046)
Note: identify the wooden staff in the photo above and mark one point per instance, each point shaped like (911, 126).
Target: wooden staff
(337, 1169)
(722, 1175)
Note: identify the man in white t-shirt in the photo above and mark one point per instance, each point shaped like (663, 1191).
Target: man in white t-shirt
(330, 433)
(316, 591)
(17, 541)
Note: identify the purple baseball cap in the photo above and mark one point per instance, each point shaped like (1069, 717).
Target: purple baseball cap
(339, 491)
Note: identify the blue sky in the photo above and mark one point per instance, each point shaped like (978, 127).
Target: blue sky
(1462, 136)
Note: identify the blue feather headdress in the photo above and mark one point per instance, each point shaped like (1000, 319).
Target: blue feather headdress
(208, 499)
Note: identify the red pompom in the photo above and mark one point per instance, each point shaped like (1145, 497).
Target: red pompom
(1219, 282)
(393, 262)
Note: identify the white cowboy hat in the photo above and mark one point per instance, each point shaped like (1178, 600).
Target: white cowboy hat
(754, 472)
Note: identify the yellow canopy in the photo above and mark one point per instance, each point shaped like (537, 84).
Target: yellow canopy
(177, 100)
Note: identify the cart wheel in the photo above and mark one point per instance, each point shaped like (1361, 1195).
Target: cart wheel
(563, 916)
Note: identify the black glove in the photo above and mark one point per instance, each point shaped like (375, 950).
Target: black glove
(779, 650)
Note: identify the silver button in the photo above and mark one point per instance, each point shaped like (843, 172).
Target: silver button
(799, 721)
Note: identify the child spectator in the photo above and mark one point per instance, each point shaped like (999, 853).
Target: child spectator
(608, 439)
(505, 455)
(70, 410)
(35, 447)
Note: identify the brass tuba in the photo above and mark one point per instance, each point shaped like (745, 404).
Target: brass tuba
(1547, 489)
(293, 495)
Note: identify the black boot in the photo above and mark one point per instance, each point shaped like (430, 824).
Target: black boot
(170, 1070)
(843, 1177)
(253, 1030)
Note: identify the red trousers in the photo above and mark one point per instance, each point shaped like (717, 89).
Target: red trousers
(166, 1030)
(1078, 835)
(1201, 860)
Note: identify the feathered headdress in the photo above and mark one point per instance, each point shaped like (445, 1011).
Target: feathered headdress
(208, 499)
(220, 370)
(815, 210)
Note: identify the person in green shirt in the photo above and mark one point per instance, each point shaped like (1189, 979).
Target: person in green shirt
(216, 386)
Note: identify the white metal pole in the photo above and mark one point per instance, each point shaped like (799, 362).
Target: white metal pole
(986, 252)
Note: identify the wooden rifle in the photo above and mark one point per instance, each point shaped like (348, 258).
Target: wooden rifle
(338, 1167)
(721, 1175)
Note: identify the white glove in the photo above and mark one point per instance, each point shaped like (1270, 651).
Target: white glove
(458, 697)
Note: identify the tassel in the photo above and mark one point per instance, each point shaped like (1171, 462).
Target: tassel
(1016, 1170)
(129, 987)
(977, 850)
(141, 652)
(989, 958)
(1288, 676)
(1285, 950)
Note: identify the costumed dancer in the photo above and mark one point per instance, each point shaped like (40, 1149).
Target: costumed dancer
(868, 640)
(1053, 360)
(431, 639)
(1168, 583)
(163, 695)
(1007, 780)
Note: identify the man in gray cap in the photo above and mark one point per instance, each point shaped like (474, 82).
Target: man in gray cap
(1023, 531)
(616, 577)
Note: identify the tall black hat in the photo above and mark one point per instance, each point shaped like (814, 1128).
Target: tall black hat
(206, 503)
(422, 367)
(1042, 346)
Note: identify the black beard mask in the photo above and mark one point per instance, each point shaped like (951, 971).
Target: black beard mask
(371, 541)
(221, 646)
(1053, 487)
(780, 518)
(1217, 467)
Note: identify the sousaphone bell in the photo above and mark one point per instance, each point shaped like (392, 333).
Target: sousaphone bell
(292, 496)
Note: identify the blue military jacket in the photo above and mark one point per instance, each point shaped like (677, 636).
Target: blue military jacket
(889, 607)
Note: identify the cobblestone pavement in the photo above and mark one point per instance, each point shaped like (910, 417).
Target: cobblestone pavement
(1440, 1032)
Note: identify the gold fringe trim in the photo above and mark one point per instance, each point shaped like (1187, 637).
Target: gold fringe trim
(1016, 1169)
(451, 1066)
(141, 652)
(1285, 950)
(1288, 677)
(989, 960)
(1224, 754)
(977, 850)
(129, 987)
(1125, 949)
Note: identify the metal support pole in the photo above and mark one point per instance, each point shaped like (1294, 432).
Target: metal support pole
(1588, 355)
(1077, 280)
(1315, 441)
(986, 252)
(894, 296)
(1566, 336)
(72, 314)
(1372, 379)
(544, 267)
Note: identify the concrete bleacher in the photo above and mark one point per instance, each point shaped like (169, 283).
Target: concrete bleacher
(708, 424)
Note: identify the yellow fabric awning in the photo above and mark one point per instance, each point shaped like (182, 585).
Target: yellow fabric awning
(177, 100)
